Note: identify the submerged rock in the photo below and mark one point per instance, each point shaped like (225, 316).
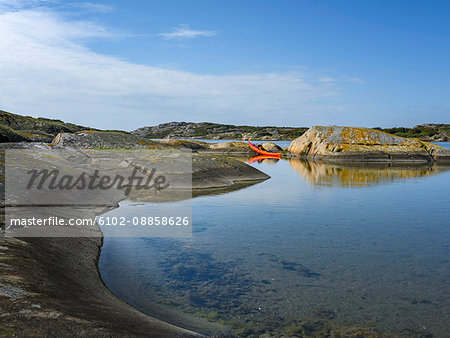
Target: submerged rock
(363, 144)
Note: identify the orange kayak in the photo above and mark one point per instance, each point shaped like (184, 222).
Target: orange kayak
(263, 152)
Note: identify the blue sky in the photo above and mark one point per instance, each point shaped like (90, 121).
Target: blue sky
(126, 64)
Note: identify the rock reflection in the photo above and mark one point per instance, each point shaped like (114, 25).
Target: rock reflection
(360, 175)
(178, 195)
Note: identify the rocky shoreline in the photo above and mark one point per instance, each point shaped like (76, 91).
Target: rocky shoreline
(52, 286)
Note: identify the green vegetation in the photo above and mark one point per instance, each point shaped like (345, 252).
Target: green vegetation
(16, 128)
(7, 134)
(425, 132)
(7, 331)
(207, 130)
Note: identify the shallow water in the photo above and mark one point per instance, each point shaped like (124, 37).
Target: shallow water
(316, 248)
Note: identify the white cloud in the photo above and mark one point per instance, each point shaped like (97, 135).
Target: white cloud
(326, 79)
(45, 70)
(38, 29)
(184, 32)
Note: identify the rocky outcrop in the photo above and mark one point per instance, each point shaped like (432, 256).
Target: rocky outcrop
(363, 144)
(215, 131)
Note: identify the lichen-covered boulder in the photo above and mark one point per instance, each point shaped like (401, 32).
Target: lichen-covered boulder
(363, 144)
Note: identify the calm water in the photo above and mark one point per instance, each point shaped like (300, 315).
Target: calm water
(315, 249)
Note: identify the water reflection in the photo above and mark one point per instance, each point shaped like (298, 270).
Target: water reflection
(264, 158)
(361, 175)
(139, 195)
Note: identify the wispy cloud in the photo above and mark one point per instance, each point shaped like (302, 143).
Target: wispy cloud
(46, 70)
(184, 32)
(93, 7)
(327, 79)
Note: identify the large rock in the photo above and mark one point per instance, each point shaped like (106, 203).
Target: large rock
(363, 144)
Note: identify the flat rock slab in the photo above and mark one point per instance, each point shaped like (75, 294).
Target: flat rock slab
(363, 144)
